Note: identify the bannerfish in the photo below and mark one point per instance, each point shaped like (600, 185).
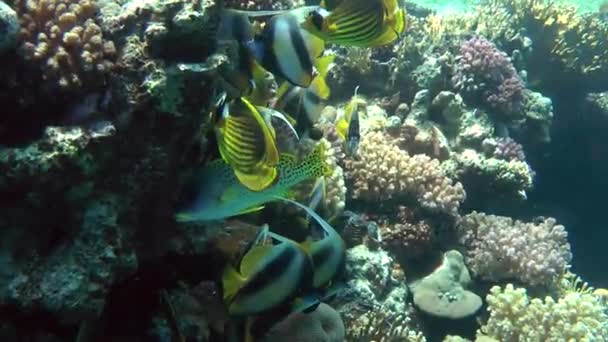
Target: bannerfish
(327, 250)
(348, 127)
(306, 103)
(218, 194)
(287, 50)
(267, 276)
(360, 23)
(246, 142)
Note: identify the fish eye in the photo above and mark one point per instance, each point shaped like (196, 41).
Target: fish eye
(317, 20)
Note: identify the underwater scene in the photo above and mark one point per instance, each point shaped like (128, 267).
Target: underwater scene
(303, 171)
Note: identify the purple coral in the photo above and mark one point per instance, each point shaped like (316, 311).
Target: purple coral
(509, 149)
(483, 70)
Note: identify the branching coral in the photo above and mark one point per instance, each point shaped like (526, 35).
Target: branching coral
(406, 237)
(499, 247)
(64, 39)
(505, 149)
(385, 172)
(483, 70)
(381, 327)
(509, 178)
(515, 317)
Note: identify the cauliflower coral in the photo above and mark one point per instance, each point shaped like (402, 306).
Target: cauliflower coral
(499, 248)
(63, 37)
(514, 317)
(383, 172)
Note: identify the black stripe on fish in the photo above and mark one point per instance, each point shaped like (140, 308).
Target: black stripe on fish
(274, 269)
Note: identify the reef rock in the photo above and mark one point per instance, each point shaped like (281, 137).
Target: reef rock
(322, 325)
(9, 27)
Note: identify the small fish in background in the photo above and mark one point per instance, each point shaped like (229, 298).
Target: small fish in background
(89, 109)
(91, 114)
(348, 127)
(287, 50)
(215, 193)
(306, 103)
(360, 23)
(267, 276)
(246, 142)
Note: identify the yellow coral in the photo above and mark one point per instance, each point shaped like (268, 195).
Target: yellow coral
(514, 316)
(64, 39)
(578, 42)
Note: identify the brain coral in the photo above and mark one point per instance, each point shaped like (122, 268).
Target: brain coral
(574, 317)
(384, 172)
(499, 248)
(63, 38)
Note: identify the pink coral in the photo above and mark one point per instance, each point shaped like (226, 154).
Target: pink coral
(483, 70)
(499, 248)
(383, 172)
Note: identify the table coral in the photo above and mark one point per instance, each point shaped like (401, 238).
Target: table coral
(499, 248)
(384, 172)
(516, 317)
(63, 38)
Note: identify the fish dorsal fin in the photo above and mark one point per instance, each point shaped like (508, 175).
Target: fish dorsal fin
(232, 281)
(253, 259)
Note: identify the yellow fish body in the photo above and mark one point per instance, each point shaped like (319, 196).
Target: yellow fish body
(361, 23)
(247, 143)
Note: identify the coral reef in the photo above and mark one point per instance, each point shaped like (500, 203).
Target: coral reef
(483, 70)
(566, 45)
(375, 288)
(516, 317)
(381, 327)
(443, 294)
(384, 172)
(63, 38)
(406, 238)
(490, 175)
(498, 247)
(505, 149)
